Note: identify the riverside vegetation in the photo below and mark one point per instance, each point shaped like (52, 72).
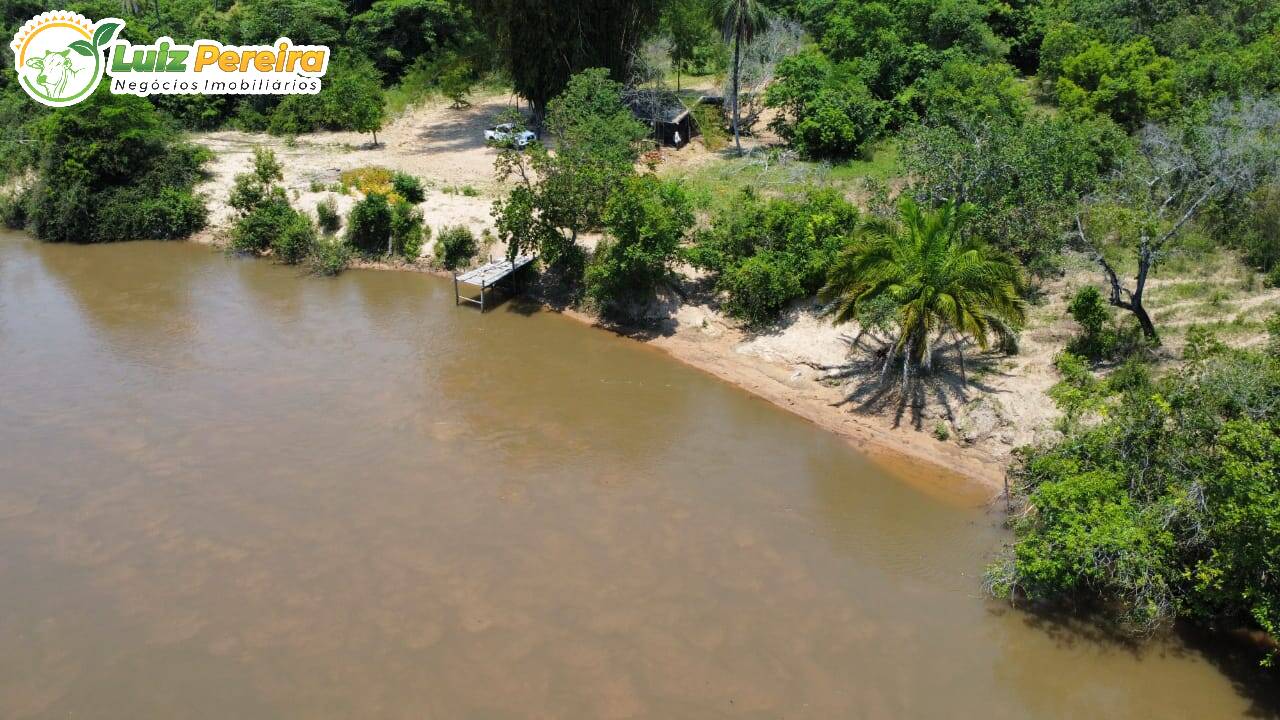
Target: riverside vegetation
(1003, 142)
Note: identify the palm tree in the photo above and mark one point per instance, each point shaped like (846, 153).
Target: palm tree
(939, 281)
(742, 20)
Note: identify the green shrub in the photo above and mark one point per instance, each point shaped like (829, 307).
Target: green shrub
(257, 230)
(295, 241)
(1260, 239)
(13, 210)
(369, 224)
(139, 213)
(330, 256)
(408, 188)
(254, 187)
(800, 237)
(709, 120)
(1099, 341)
(826, 110)
(1169, 508)
(407, 234)
(455, 247)
(760, 287)
(327, 215)
(109, 168)
(647, 219)
(1273, 334)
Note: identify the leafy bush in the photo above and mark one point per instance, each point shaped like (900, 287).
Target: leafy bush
(760, 287)
(327, 215)
(330, 256)
(559, 196)
(109, 169)
(1168, 508)
(407, 232)
(709, 120)
(13, 210)
(826, 108)
(254, 187)
(1099, 340)
(369, 224)
(257, 229)
(647, 219)
(133, 213)
(295, 241)
(800, 237)
(455, 247)
(408, 187)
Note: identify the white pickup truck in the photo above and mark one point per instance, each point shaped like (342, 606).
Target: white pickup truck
(507, 135)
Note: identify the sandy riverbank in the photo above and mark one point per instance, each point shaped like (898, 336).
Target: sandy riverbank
(804, 365)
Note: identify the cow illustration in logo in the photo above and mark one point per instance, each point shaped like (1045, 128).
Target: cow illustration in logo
(60, 56)
(56, 71)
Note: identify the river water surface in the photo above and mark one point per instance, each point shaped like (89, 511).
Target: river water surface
(231, 491)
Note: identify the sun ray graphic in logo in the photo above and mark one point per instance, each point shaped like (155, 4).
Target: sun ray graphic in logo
(60, 56)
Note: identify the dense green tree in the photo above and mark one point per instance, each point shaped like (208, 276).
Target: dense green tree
(940, 281)
(560, 195)
(109, 169)
(396, 32)
(826, 110)
(543, 43)
(763, 254)
(1166, 508)
(1131, 82)
(689, 26)
(353, 97)
(305, 22)
(646, 221)
(964, 92)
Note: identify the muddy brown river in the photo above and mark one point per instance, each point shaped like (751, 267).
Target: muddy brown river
(228, 490)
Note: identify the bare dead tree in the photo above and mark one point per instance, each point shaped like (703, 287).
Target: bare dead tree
(758, 67)
(646, 90)
(1173, 177)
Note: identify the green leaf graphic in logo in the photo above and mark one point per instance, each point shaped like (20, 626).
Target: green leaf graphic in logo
(104, 33)
(82, 47)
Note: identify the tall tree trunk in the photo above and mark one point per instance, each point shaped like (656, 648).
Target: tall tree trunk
(1144, 320)
(737, 41)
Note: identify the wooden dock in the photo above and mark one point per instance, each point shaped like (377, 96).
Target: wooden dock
(486, 276)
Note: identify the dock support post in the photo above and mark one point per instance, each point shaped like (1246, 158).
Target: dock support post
(456, 301)
(482, 297)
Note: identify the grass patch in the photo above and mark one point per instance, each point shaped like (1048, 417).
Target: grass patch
(1179, 292)
(464, 190)
(714, 184)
